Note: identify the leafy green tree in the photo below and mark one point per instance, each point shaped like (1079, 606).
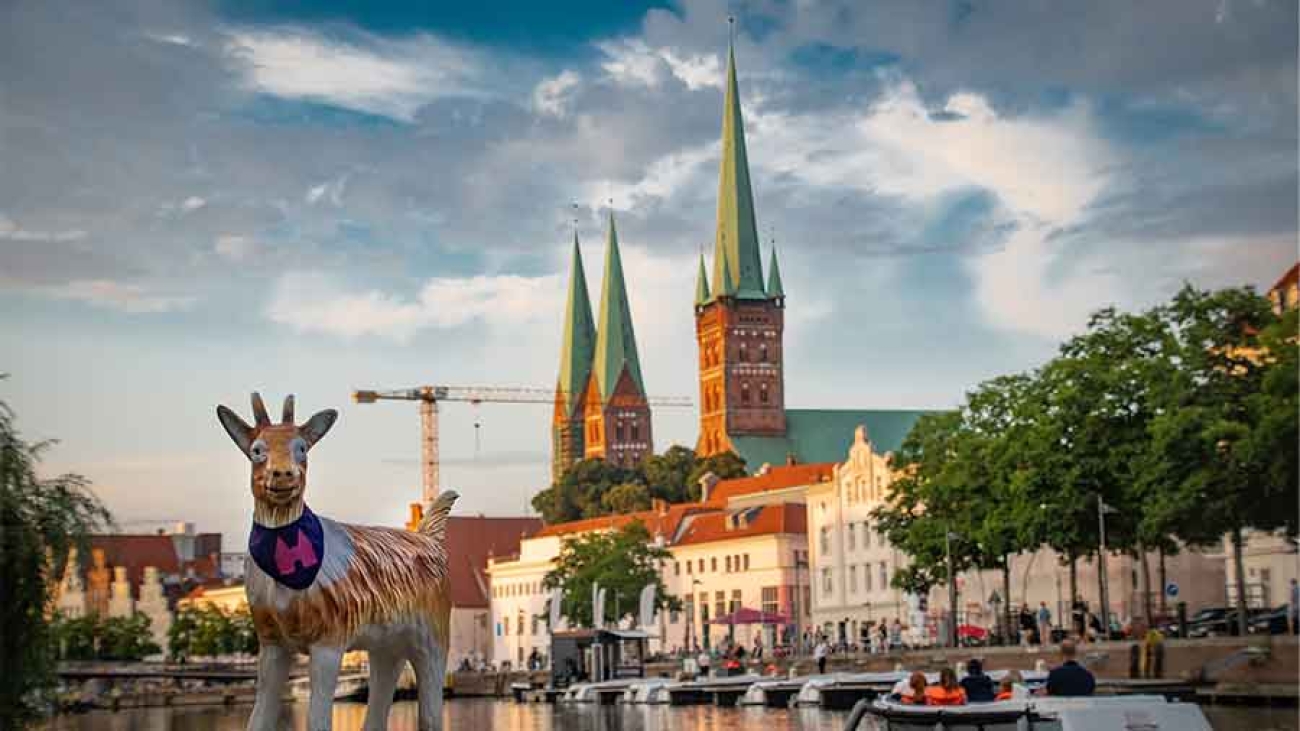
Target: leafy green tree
(578, 492)
(40, 519)
(668, 474)
(1220, 469)
(726, 466)
(622, 562)
(75, 638)
(207, 630)
(126, 638)
(626, 498)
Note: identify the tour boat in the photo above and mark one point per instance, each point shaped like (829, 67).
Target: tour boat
(1095, 713)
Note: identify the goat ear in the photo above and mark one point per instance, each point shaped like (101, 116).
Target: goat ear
(318, 425)
(240, 433)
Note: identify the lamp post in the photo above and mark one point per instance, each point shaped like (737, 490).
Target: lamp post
(1102, 509)
(952, 589)
(691, 644)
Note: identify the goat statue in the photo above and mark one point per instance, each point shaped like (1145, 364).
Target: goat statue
(323, 588)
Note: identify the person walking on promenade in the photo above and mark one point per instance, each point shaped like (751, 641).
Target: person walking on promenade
(1044, 624)
(819, 654)
(1070, 678)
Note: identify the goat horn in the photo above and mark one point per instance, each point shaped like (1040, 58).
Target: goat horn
(287, 415)
(259, 410)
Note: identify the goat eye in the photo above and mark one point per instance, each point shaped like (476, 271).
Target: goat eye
(257, 451)
(299, 449)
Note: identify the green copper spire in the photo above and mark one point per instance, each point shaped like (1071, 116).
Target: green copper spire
(736, 242)
(579, 336)
(774, 289)
(701, 285)
(615, 339)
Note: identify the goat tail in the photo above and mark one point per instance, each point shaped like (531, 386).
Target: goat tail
(434, 522)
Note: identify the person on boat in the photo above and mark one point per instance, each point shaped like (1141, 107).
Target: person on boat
(911, 690)
(978, 686)
(1007, 689)
(1070, 678)
(947, 692)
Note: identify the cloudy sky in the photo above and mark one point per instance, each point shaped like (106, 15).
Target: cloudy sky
(201, 199)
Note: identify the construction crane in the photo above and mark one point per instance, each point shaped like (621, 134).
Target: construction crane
(430, 396)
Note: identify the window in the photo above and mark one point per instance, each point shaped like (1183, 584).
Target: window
(720, 603)
(505, 626)
(523, 628)
(520, 652)
(853, 529)
(735, 601)
(636, 431)
(884, 574)
(688, 568)
(728, 564)
(866, 578)
(866, 534)
(826, 582)
(744, 353)
(713, 564)
(762, 353)
(745, 561)
(825, 540)
(762, 392)
(700, 568)
(618, 431)
(534, 625)
(744, 393)
(704, 609)
(677, 568)
(853, 579)
(688, 606)
(769, 599)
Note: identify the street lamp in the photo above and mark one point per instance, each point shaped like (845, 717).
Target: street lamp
(1102, 509)
(952, 589)
(691, 644)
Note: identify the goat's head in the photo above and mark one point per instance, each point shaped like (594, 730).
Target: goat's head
(278, 452)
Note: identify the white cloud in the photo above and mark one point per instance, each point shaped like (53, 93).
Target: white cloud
(315, 302)
(331, 190)
(663, 178)
(174, 39)
(109, 294)
(633, 62)
(552, 95)
(388, 78)
(10, 230)
(234, 248)
(193, 203)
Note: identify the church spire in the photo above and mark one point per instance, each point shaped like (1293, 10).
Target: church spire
(701, 285)
(774, 289)
(615, 338)
(578, 345)
(736, 241)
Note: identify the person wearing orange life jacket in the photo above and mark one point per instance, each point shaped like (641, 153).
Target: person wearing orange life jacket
(1007, 688)
(948, 692)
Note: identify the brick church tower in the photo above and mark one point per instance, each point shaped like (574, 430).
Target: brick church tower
(739, 321)
(617, 414)
(576, 351)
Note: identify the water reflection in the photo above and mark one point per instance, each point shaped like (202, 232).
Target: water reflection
(491, 714)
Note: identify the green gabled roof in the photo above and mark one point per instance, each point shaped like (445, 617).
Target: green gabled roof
(722, 283)
(701, 285)
(736, 240)
(579, 344)
(615, 338)
(774, 288)
(825, 435)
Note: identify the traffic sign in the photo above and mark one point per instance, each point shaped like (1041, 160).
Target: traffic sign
(1171, 589)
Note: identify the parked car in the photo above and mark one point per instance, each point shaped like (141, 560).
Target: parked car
(1224, 625)
(1270, 623)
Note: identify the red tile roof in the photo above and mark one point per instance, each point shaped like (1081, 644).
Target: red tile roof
(470, 540)
(1292, 276)
(756, 521)
(664, 521)
(776, 478)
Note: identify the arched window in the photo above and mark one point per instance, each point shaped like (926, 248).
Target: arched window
(762, 392)
(744, 393)
(762, 353)
(618, 431)
(744, 353)
(636, 430)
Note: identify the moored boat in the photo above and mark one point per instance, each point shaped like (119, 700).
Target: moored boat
(1096, 713)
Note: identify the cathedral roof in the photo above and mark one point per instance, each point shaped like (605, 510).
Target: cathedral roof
(579, 344)
(825, 435)
(701, 285)
(615, 338)
(774, 288)
(737, 267)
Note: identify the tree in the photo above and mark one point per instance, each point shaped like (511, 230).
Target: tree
(1220, 468)
(578, 492)
(622, 562)
(668, 474)
(40, 519)
(725, 465)
(208, 630)
(626, 498)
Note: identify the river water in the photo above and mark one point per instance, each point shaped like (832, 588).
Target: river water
(483, 714)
